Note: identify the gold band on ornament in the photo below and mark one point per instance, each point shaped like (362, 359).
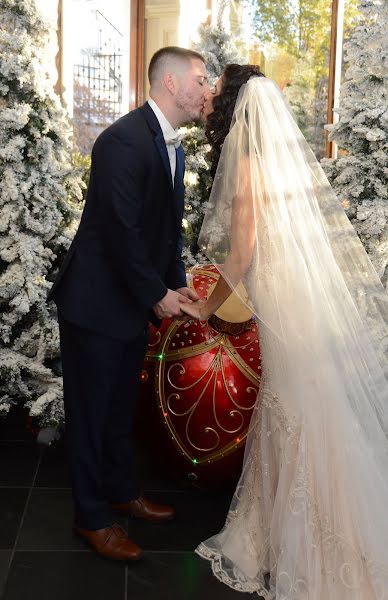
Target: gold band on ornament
(215, 274)
(184, 352)
(240, 362)
(230, 328)
(218, 340)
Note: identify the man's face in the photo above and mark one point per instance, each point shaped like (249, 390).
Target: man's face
(192, 89)
(211, 94)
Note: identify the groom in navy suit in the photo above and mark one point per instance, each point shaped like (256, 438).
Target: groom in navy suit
(123, 269)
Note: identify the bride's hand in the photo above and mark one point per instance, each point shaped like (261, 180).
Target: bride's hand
(196, 310)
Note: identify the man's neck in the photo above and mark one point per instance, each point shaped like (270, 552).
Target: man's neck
(171, 113)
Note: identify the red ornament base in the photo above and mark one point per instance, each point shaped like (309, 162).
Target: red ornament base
(199, 388)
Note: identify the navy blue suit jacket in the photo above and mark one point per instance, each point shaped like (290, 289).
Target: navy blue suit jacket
(127, 250)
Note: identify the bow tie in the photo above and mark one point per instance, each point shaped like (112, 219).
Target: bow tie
(174, 140)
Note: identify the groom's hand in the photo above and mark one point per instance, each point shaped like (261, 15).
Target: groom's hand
(169, 306)
(188, 293)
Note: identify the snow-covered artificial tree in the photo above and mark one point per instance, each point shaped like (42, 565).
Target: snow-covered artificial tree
(39, 195)
(307, 96)
(218, 48)
(360, 174)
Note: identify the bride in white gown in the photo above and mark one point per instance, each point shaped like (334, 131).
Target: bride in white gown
(309, 517)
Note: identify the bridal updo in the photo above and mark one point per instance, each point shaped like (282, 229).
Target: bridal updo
(218, 122)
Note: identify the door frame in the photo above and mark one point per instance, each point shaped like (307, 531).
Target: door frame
(136, 53)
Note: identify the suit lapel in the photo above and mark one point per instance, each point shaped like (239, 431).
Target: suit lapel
(160, 144)
(180, 163)
(179, 189)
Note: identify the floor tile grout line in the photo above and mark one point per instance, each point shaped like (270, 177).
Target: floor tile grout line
(169, 552)
(126, 583)
(10, 441)
(22, 519)
(88, 551)
(52, 550)
(15, 487)
(146, 490)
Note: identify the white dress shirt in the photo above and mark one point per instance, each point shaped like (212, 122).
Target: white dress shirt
(168, 133)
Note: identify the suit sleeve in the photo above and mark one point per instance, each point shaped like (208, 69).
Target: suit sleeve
(119, 172)
(176, 275)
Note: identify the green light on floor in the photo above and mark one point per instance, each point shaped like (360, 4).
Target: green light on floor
(195, 461)
(160, 356)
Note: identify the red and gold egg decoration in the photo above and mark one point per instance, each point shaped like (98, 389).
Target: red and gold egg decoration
(204, 379)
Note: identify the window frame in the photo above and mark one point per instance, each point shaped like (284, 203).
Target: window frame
(137, 66)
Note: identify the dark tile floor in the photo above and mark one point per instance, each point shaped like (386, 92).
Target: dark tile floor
(41, 560)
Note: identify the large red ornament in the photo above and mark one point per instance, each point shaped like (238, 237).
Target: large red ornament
(203, 383)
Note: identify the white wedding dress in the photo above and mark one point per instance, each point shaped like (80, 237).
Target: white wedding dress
(309, 517)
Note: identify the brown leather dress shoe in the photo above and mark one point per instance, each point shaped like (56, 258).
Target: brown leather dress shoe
(142, 508)
(111, 542)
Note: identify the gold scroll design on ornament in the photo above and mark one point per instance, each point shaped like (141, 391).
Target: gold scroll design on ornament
(215, 366)
(156, 341)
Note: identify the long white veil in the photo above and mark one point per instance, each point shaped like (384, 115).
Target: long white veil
(310, 508)
(270, 193)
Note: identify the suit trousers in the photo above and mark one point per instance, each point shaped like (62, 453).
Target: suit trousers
(101, 377)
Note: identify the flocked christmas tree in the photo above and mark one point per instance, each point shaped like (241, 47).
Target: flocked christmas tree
(39, 191)
(360, 174)
(218, 48)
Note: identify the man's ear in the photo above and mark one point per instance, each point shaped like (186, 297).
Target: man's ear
(170, 83)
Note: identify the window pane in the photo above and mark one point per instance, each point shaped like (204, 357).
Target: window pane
(290, 40)
(96, 65)
(171, 23)
(49, 10)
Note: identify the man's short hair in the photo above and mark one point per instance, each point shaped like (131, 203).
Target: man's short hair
(162, 56)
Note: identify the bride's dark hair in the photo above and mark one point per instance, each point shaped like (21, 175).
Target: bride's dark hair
(218, 122)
